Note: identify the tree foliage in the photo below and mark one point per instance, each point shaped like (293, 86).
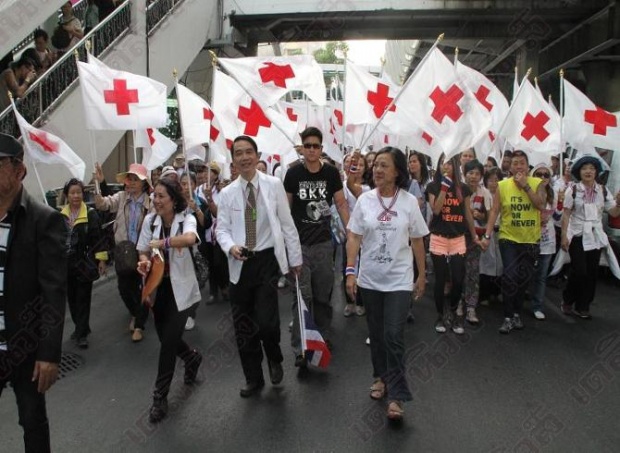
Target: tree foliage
(327, 54)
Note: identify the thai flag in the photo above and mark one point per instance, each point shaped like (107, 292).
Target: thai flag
(313, 345)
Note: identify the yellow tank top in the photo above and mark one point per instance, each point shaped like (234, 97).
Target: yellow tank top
(520, 220)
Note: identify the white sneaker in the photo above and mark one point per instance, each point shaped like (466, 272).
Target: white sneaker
(190, 323)
(539, 315)
(282, 282)
(348, 310)
(360, 310)
(368, 341)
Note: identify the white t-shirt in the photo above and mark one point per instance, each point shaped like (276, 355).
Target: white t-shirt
(387, 259)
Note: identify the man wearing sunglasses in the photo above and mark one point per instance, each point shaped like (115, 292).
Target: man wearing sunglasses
(311, 189)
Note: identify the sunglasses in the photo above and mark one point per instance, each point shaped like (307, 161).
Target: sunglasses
(312, 146)
(543, 175)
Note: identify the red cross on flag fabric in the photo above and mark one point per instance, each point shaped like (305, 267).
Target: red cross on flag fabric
(441, 105)
(46, 148)
(119, 100)
(267, 79)
(531, 124)
(367, 98)
(156, 147)
(491, 99)
(297, 113)
(239, 114)
(587, 125)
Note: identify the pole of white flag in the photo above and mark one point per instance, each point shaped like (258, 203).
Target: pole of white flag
(36, 173)
(402, 90)
(91, 137)
(344, 103)
(456, 55)
(183, 147)
(501, 129)
(302, 324)
(135, 151)
(562, 145)
(232, 74)
(214, 66)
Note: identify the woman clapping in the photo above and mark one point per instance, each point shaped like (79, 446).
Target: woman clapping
(388, 222)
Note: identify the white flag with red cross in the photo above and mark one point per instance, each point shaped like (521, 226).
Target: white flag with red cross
(367, 97)
(586, 124)
(156, 147)
(41, 146)
(239, 114)
(531, 124)
(201, 125)
(490, 98)
(119, 100)
(267, 79)
(297, 113)
(442, 107)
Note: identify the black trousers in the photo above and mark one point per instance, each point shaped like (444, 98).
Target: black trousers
(79, 298)
(256, 316)
(448, 267)
(170, 325)
(30, 407)
(130, 289)
(218, 268)
(581, 284)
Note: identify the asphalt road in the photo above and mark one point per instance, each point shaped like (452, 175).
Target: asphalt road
(554, 386)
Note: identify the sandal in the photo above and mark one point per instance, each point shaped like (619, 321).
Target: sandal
(395, 411)
(377, 390)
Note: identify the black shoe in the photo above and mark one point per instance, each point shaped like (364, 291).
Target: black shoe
(158, 410)
(517, 323)
(191, 368)
(276, 373)
(82, 343)
(301, 362)
(251, 388)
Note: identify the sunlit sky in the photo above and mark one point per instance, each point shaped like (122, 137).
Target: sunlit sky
(366, 52)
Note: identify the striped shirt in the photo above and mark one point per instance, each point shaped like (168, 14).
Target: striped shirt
(5, 229)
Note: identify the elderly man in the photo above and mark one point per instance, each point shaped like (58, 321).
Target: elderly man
(33, 282)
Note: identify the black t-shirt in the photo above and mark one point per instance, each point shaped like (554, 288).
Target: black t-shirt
(313, 195)
(451, 221)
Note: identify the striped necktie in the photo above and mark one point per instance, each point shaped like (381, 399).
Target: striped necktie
(250, 219)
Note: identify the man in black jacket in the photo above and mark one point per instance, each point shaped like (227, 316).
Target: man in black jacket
(33, 282)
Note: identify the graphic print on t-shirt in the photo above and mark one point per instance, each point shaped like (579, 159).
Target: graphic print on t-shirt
(383, 255)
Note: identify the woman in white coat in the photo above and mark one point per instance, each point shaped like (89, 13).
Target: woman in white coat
(173, 233)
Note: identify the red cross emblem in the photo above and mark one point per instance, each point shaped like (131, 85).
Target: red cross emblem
(229, 143)
(254, 118)
(338, 115)
(380, 99)
(276, 74)
(290, 112)
(41, 138)
(120, 96)
(535, 126)
(427, 138)
(491, 136)
(600, 119)
(213, 132)
(150, 132)
(446, 104)
(482, 96)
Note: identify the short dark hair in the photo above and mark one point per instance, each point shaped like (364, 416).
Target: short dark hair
(520, 153)
(24, 61)
(246, 138)
(189, 174)
(474, 164)
(70, 183)
(400, 162)
(424, 176)
(40, 33)
(493, 161)
(311, 132)
(175, 191)
(495, 171)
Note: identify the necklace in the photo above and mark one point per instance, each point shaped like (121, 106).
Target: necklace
(387, 213)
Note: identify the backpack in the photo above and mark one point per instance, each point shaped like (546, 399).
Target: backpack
(60, 38)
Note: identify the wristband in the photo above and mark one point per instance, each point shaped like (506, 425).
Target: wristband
(350, 270)
(527, 188)
(486, 236)
(167, 243)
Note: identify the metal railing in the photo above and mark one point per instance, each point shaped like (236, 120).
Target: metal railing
(79, 11)
(52, 86)
(157, 11)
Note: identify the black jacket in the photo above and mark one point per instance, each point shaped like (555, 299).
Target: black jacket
(35, 284)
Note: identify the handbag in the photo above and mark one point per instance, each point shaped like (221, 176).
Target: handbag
(154, 278)
(86, 270)
(125, 258)
(200, 267)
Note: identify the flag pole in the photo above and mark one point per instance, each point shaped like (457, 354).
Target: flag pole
(91, 137)
(232, 74)
(183, 147)
(402, 90)
(344, 103)
(302, 329)
(36, 173)
(214, 66)
(527, 74)
(562, 145)
(135, 151)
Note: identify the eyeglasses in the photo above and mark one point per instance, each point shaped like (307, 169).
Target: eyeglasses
(312, 146)
(543, 175)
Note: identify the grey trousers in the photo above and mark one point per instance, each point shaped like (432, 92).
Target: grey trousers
(316, 284)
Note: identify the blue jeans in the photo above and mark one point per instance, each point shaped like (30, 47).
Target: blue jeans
(539, 281)
(518, 262)
(386, 314)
